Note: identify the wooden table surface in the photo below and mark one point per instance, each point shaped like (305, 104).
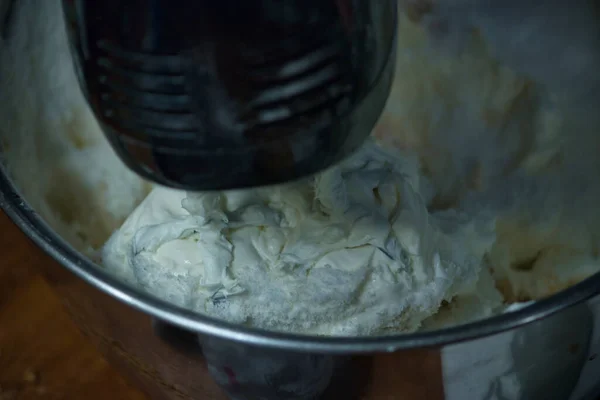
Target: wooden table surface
(42, 353)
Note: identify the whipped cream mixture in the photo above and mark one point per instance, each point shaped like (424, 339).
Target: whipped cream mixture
(477, 222)
(352, 251)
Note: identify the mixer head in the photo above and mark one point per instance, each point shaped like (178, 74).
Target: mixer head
(207, 95)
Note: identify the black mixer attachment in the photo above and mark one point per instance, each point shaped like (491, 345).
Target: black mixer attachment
(206, 95)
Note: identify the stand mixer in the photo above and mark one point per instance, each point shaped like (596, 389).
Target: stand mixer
(205, 95)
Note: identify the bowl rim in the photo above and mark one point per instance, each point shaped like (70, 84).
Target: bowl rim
(32, 224)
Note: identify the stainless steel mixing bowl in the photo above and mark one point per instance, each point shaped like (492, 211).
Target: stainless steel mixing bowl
(545, 351)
